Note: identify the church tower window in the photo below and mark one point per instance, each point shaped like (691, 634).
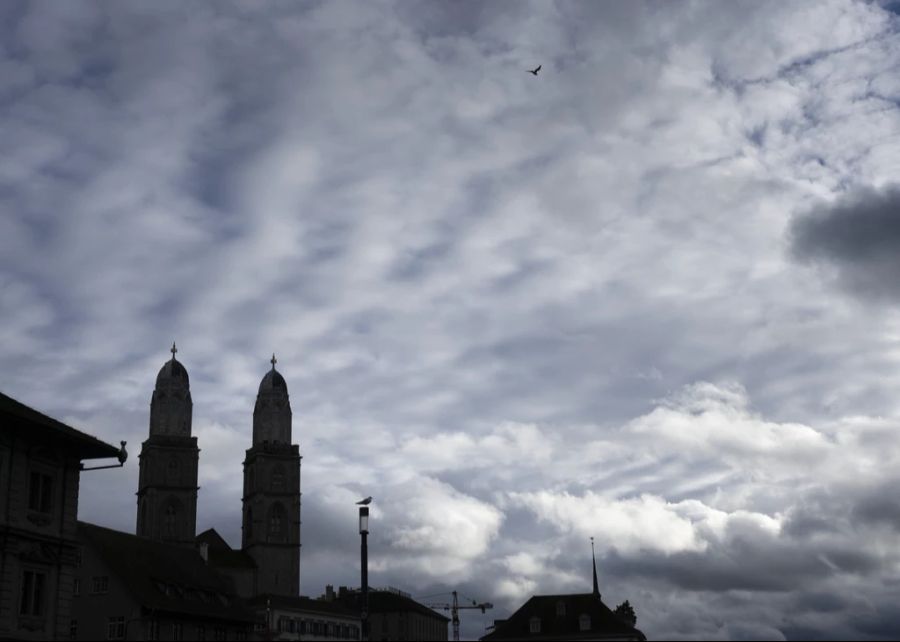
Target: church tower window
(171, 521)
(276, 522)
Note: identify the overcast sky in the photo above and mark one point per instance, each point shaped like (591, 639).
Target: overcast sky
(650, 295)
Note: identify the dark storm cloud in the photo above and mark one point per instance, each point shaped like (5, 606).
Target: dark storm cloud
(859, 237)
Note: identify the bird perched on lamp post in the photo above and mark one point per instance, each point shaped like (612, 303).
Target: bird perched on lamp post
(364, 502)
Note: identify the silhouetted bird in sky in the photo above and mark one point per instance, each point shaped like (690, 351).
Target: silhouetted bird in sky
(535, 70)
(365, 502)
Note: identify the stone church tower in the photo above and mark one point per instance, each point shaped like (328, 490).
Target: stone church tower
(167, 485)
(271, 526)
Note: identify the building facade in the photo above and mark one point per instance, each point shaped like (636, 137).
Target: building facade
(579, 616)
(40, 465)
(303, 618)
(394, 615)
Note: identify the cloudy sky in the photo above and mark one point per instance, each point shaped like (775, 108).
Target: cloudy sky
(650, 295)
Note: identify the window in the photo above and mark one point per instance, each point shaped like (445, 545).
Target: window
(534, 624)
(560, 609)
(201, 632)
(220, 633)
(170, 524)
(276, 521)
(40, 493)
(73, 629)
(32, 597)
(152, 630)
(278, 478)
(100, 584)
(178, 631)
(584, 622)
(240, 635)
(76, 587)
(249, 523)
(79, 557)
(115, 628)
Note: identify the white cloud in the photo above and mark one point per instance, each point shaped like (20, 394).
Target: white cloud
(477, 282)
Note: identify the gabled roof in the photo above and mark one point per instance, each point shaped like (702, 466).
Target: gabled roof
(604, 623)
(165, 577)
(15, 414)
(221, 555)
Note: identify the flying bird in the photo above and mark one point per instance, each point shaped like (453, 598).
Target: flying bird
(535, 70)
(365, 502)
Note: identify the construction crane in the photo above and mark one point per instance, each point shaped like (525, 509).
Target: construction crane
(455, 608)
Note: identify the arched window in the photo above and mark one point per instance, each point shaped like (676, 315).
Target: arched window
(172, 470)
(277, 524)
(170, 525)
(249, 525)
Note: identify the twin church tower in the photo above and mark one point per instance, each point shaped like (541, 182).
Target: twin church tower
(167, 486)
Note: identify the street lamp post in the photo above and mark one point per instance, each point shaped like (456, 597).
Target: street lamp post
(364, 569)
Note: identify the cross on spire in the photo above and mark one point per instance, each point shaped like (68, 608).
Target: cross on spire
(173, 350)
(273, 361)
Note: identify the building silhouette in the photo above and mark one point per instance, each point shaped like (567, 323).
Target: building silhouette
(573, 616)
(271, 502)
(40, 467)
(167, 483)
(167, 582)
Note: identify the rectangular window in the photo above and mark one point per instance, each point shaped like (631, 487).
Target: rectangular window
(100, 584)
(40, 493)
(220, 633)
(201, 632)
(152, 630)
(178, 631)
(32, 596)
(76, 587)
(115, 628)
(73, 629)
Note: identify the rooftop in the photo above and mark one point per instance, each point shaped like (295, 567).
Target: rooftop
(16, 415)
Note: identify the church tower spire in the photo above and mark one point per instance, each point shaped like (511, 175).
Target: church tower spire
(167, 483)
(271, 503)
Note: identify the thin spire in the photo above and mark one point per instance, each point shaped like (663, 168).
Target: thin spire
(274, 361)
(594, 560)
(173, 350)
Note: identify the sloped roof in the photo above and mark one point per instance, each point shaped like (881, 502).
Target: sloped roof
(221, 555)
(165, 577)
(604, 623)
(17, 415)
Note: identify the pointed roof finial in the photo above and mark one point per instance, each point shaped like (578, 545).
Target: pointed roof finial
(173, 350)
(274, 361)
(594, 560)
